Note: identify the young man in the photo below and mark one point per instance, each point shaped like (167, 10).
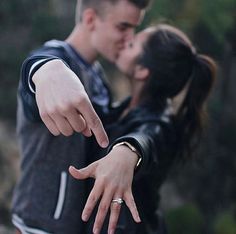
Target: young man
(60, 89)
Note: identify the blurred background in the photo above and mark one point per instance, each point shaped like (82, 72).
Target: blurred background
(199, 197)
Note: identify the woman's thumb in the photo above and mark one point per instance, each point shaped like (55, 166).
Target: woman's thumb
(80, 174)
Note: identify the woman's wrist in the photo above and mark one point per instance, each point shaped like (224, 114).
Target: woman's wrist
(132, 149)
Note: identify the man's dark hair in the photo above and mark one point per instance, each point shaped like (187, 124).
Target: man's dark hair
(98, 5)
(142, 4)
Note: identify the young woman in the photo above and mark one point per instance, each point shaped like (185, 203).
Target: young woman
(161, 64)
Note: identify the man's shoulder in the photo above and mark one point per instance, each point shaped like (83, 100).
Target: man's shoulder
(52, 47)
(54, 43)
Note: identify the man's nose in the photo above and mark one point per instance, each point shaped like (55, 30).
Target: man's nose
(129, 34)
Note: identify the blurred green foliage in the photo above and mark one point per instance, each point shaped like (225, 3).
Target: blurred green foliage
(185, 220)
(25, 25)
(215, 19)
(225, 223)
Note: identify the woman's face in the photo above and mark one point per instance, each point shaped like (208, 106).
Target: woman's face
(126, 61)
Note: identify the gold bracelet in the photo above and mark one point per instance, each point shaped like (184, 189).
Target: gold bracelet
(132, 148)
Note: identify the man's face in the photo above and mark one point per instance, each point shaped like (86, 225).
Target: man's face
(114, 28)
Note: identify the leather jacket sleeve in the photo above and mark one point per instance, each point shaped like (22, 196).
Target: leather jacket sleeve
(154, 139)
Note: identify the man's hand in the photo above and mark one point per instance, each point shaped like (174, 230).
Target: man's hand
(64, 105)
(113, 180)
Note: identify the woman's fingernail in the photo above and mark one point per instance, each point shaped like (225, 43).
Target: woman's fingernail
(85, 217)
(96, 231)
(112, 231)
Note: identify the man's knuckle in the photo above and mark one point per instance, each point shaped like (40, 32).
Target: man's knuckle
(44, 115)
(79, 100)
(64, 108)
(54, 132)
(68, 132)
(51, 112)
(95, 122)
(80, 126)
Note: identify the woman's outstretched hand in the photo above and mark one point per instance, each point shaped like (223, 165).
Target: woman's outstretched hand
(113, 176)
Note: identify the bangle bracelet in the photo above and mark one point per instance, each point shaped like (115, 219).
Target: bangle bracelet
(132, 148)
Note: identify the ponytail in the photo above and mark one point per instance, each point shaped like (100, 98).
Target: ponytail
(174, 67)
(192, 113)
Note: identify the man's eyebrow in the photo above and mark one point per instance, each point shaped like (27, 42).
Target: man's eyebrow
(127, 25)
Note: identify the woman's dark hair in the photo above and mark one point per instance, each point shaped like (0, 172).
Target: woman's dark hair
(174, 66)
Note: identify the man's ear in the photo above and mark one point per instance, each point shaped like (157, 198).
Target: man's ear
(141, 73)
(89, 17)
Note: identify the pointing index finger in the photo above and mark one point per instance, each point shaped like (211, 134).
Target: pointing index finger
(94, 123)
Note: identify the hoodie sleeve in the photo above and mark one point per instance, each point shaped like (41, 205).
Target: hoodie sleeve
(26, 89)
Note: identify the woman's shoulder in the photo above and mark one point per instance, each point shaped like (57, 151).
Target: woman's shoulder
(151, 115)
